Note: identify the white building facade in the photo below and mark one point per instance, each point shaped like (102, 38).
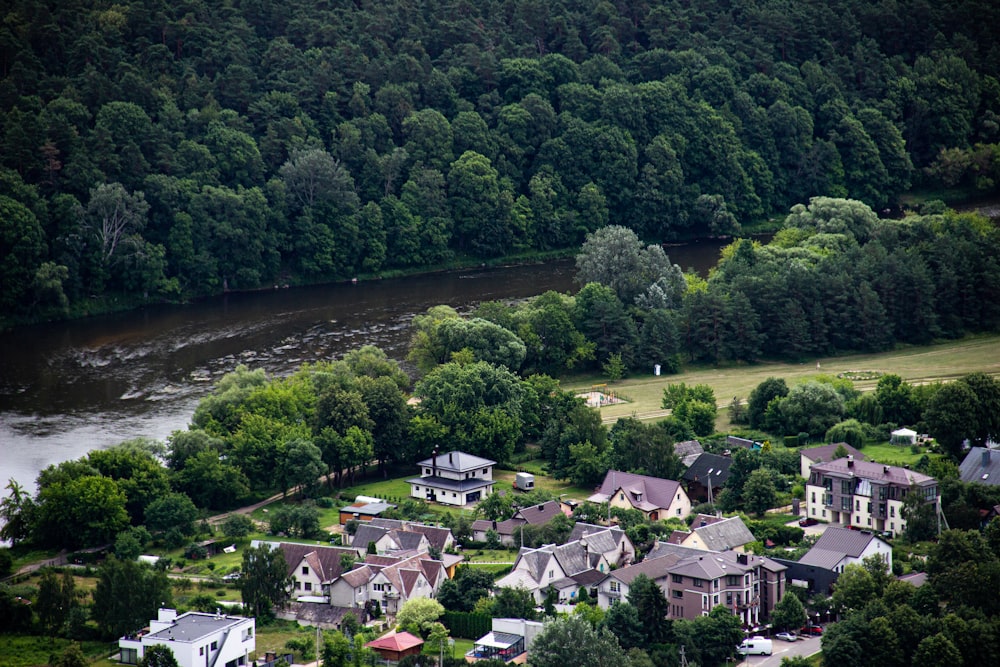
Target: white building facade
(196, 639)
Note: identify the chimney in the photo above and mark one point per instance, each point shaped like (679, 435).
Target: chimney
(741, 559)
(450, 460)
(986, 457)
(885, 470)
(850, 460)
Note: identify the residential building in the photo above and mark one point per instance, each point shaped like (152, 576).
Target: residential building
(610, 542)
(195, 638)
(838, 547)
(314, 568)
(364, 509)
(695, 581)
(455, 478)
(656, 498)
(981, 466)
(824, 454)
(705, 477)
(390, 580)
(864, 494)
(717, 534)
(386, 540)
(536, 515)
(565, 568)
(688, 451)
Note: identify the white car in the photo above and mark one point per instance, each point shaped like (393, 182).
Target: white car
(786, 636)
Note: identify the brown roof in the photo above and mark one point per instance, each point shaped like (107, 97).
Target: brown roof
(643, 492)
(539, 514)
(325, 561)
(825, 453)
(395, 641)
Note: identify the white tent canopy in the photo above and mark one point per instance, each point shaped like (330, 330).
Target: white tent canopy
(904, 435)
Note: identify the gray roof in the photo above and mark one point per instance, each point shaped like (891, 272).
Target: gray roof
(456, 462)
(453, 484)
(724, 535)
(367, 533)
(709, 466)
(981, 466)
(601, 542)
(825, 453)
(325, 561)
(539, 514)
(875, 472)
(194, 625)
(581, 529)
(661, 549)
(688, 451)
(835, 543)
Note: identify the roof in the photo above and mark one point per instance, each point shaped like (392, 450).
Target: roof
(498, 640)
(456, 462)
(875, 472)
(395, 641)
(835, 544)
(654, 568)
(827, 452)
(462, 485)
(325, 561)
(915, 579)
(581, 529)
(709, 467)
(367, 533)
(316, 613)
(194, 625)
(368, 509)
(724, 535)
(981, 466)
(643, 492)
(688, 451)
(505, 527)
(541, 513)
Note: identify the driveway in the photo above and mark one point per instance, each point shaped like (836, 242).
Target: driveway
(782, 649)
(809, 530)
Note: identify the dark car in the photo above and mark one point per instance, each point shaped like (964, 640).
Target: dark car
(811, 630)
(808, 521)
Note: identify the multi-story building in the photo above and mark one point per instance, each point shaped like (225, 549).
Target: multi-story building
(696, 581)
(455, 478)
(866, 495)
(196, 639)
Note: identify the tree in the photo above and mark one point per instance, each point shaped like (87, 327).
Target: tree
(652, 607)
(56, 598)
(17, 511)
(811, 407)
(936, 651)
(174, 510)
(614, 257)
(759, 492)
(854, 589)
(788, 613)
(71, 656)
(265, 582)
(850, 431)
(497, 506)
(158, 655)
(417, 615)
(761, 397)
(89, 510)
(572, 640)
(511, 602)
(22, 249)
(622, 621)
(237, 526)
(130, 543)
(301, 466)
(951, 415)
(127, 595)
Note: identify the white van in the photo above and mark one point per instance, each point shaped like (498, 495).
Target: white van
(755, 646)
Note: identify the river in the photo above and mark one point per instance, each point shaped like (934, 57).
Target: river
(69, 387)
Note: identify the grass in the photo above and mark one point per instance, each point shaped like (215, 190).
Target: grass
(893, 454)
(274, 635)
(34, 650)
(917, 365)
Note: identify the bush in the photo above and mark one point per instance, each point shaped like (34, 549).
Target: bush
(325, 502)
(195, 552)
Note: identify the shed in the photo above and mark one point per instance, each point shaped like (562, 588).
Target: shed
(396, 645)
(904, 436)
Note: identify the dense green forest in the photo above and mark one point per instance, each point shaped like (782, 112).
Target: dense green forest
(154, 150)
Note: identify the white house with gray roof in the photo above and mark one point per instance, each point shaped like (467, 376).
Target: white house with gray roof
(838, 547)
(565, 568)
(455, 478)
(195, 638)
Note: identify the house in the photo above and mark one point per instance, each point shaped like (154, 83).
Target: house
(314, 568)
(705, 476)
(812, 578)
(389, 580)
(536, 515)
(656, 498)
(394, 646)
(688, 451)
(696, 581)
(610, 542)
(824, 454)
(387, 540)
(866, 495)
(838, 547)
(717, 534)
(195, 638)
(565, 568)
(364, 509)
(510, 640)
(734, 442)
(455, 478)
(438, 537)
(981, 466)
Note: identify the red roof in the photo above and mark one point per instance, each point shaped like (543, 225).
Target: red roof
(395, 641)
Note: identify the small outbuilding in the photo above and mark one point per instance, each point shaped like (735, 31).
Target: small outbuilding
(903, 436)
(396, 645)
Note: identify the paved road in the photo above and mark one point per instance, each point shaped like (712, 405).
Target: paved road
(803, 647)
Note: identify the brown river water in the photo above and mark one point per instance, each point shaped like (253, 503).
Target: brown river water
(69, 387)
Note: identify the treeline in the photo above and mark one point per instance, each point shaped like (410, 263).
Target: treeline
(156, 150)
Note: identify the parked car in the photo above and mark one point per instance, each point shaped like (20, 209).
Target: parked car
(232, 576)
(807, 521)
(787, 636)
(755, 646)
(811, 630)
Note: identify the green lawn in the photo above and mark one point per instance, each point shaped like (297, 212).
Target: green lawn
(893, 454)
(32, 650)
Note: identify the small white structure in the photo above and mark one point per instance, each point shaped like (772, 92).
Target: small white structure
(903, 436)
(196, 639)
(524, 481)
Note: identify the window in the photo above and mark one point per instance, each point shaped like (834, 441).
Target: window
(930, 493)
(892, 510)
(201, 650)
(552, 573)
(715, 584)
(845, 504)
(309, 586)
(845, 487)
(615, 587)
(621, 496)
(813, 496)
(484, 471)
(466, 475)
(678, 594)
(814, 511)
(699, 583)
(869, 521)
(416, 488)
(678, 511)
(305, 570)
(729, 599)
(677, 579)
(715, 599)
(378, 587)
(857, 505)
(857, 521)
(427, 471)
(215, 645)
(732, 580)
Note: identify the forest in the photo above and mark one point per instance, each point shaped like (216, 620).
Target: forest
(162, 151)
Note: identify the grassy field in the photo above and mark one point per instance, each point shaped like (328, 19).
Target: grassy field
(34, 650)
(917, 365)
